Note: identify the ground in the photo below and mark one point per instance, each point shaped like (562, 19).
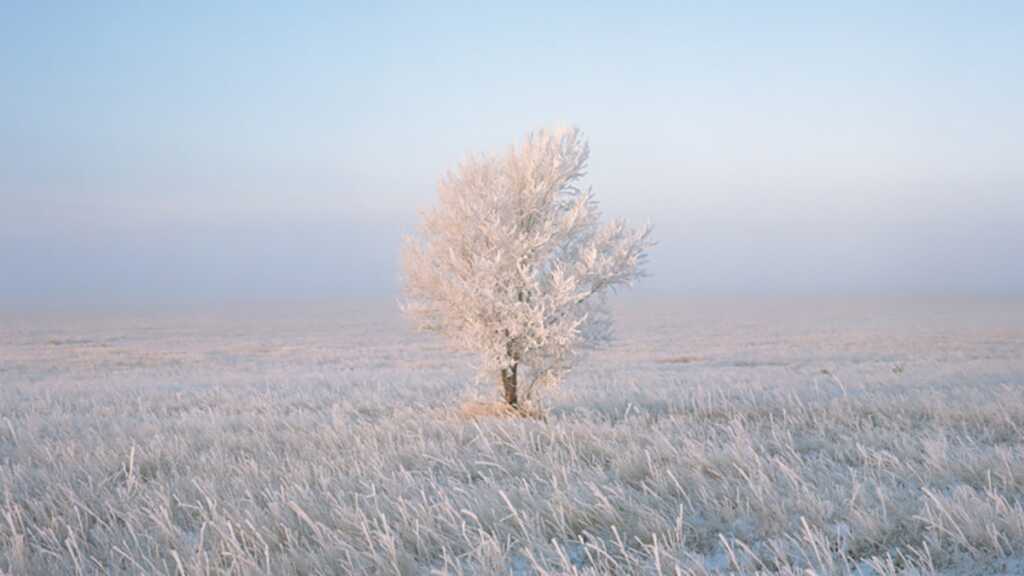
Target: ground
(712, 436)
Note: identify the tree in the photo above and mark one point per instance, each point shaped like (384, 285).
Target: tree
(514, 263)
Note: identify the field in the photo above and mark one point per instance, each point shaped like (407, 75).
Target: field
(712, 436)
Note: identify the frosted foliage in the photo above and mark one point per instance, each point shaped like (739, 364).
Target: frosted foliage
(514, 261)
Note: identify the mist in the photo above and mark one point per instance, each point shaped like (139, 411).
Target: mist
(337, 259)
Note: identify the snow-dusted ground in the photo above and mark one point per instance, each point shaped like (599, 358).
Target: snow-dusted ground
(793, 437)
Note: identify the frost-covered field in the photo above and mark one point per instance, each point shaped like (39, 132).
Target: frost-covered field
(816, 437)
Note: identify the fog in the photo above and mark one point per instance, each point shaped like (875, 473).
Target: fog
(208, 265)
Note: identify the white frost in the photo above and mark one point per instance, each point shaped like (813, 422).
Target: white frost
(514, 261)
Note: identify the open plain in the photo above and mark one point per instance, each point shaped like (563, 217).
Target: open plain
(816, 436)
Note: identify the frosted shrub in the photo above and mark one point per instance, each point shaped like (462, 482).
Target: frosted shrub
(514, 262)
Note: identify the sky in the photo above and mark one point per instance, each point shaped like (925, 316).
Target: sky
(211, 151)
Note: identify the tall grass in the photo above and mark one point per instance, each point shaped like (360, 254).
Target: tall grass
(878, 439)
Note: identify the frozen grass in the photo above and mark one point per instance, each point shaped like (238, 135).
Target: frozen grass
(775, 437)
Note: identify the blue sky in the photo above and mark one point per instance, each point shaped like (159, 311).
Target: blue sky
(182, 151)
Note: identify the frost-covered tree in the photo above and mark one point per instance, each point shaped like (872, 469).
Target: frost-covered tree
(514, 262)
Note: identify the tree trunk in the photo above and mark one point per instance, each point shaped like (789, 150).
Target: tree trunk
(508, 384)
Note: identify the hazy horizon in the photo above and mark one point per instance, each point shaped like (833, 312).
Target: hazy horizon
(187, 153)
